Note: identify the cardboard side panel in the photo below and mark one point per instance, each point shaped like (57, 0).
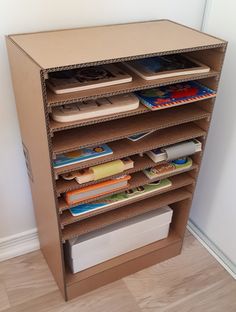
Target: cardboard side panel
(28, 93)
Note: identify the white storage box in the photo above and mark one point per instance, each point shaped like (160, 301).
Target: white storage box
(101, 245)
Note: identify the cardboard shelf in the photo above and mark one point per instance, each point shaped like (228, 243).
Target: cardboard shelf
(77, 226)
(140, 163)
(124, 148)
(55, 126)
(138, 179)
(73, 139)
(136, 84)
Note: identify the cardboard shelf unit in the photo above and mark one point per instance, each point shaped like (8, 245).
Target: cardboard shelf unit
(32, 57)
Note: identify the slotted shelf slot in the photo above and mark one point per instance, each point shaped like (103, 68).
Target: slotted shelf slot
(124, 148)
(76, 226)
(73, 139)
(138, 179)
(136, 84)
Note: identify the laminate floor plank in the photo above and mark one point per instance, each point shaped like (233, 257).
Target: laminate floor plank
(4, 302)
(114, 297)
(26, 277)
(161, 286)
(193, 281)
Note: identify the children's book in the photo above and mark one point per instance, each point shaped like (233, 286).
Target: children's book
(158, 67)
(121, 197)
(95, 190)
(168, 167)
(80, 155)
(136, 137)
(172, 95)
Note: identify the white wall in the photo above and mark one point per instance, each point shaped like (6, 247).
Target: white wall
(214, 206)
(27, 16)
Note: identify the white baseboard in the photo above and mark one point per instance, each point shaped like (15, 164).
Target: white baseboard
(212, 249)
(19, 244)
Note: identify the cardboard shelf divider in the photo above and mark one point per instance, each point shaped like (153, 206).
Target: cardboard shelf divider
(136, 84)
(124, 148)
(138, 179)
(110, 131)
(74, 226)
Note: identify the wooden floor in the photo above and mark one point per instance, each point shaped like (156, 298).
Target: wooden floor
(193, 281)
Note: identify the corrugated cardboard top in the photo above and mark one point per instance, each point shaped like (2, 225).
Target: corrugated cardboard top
(100, 44)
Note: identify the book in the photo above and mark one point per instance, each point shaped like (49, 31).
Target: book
(86, 78)
(100, 171)
(95, 190)
(172, 166)
(95, 108)
(125, 196)
(175, 94)
(81, 155)
(160, 154)
(136, 137)
(166, 66)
